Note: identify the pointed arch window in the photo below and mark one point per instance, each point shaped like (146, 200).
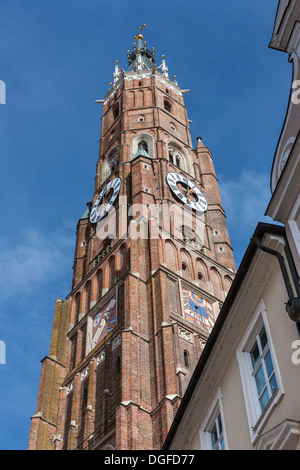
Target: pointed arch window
(116, 110)
(118, 365)
(99, 277)
(167, 106)
(114, 162)
(146, 140)
(186, 358)
(110, 164)
(184, 267)
(176, 158)
(77, 306)
(88, 296)
(112, 270)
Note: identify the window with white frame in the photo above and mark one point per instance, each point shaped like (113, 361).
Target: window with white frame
(262, 368)
(212, 434)
(259, 372)
(216, 435)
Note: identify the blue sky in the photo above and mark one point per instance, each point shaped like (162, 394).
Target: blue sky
(56, 59)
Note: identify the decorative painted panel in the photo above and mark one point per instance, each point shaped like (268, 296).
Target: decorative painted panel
(198, 310)
(104, 321)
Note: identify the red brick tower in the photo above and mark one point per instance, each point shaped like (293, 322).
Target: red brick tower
(152, 266)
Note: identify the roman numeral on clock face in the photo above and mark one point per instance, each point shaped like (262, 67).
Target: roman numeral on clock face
(200, 204)
(114, 184)
(173, 187)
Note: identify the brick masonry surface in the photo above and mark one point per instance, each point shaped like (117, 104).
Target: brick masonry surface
(123, 392)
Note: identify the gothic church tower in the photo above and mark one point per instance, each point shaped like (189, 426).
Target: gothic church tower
(147, 283)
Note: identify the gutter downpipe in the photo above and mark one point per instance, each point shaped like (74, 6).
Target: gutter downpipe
(293, 304)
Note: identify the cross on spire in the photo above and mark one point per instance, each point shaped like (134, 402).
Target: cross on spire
(139, 35)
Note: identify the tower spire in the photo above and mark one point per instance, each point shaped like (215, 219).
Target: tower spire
(141, 58)
(139, 37)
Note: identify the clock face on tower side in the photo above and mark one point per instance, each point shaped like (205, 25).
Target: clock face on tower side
(186, 191)
(105, 200)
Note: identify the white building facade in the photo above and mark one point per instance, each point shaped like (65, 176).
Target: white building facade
(284, 206)
(244, 394)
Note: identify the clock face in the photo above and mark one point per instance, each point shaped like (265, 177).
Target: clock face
(187, 192)
(105, 200)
